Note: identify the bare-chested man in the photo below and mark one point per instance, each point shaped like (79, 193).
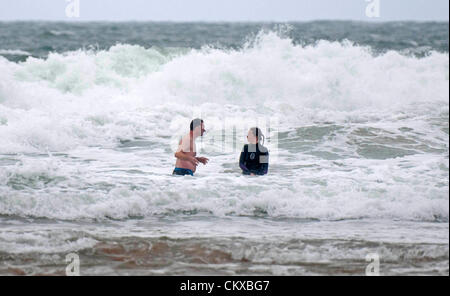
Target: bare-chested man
(186, 153)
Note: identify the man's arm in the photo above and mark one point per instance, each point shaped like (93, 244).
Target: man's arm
(184, 156)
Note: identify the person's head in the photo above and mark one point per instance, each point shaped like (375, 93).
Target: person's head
(255, 136)
(197, 127)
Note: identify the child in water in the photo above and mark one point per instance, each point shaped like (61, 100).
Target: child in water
(254, 158)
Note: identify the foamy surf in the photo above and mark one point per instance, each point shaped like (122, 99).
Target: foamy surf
(357, 138)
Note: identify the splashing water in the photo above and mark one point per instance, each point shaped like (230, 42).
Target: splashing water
(88, 136)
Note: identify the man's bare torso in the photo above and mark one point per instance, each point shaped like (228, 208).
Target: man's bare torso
(187, 145)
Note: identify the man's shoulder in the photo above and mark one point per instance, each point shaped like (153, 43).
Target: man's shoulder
(185, 143)
(186, 139)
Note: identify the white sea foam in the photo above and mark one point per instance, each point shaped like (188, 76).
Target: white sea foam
(360, 135)
(17, 52)
(65, 94)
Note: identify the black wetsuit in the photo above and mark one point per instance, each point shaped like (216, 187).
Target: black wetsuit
(254, 159)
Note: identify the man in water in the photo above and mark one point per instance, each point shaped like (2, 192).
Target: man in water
(186, 153)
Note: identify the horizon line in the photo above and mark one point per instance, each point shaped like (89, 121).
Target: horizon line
(69, 20)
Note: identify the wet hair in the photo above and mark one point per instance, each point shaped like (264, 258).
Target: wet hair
(256, 131)
(195, 123)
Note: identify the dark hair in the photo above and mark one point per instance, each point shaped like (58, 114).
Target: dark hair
(195, 123)
(256, 131)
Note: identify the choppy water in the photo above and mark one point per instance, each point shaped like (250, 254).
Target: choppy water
(359, 132)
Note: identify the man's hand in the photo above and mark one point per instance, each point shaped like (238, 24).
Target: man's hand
(194, 161)
(203, 160)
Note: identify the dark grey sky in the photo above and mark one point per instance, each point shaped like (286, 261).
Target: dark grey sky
(224, 10)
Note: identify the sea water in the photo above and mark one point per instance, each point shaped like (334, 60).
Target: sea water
(356, 117)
